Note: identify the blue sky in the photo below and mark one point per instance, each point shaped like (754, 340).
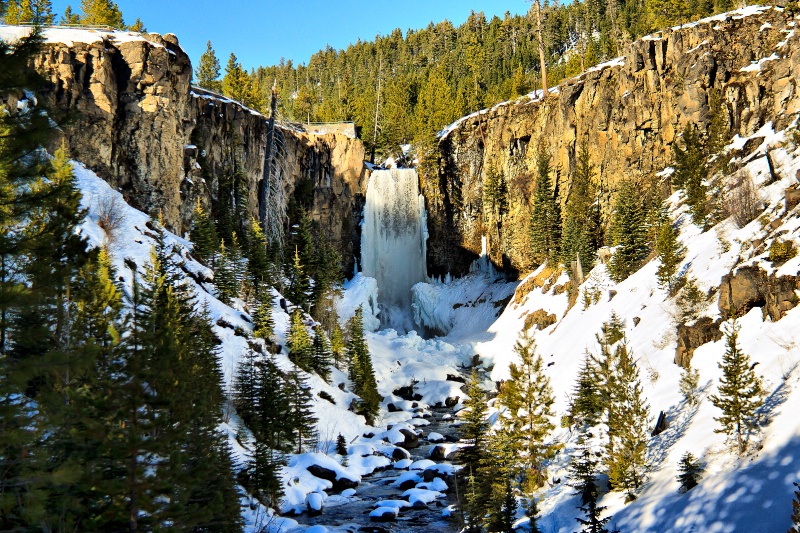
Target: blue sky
(260, 32)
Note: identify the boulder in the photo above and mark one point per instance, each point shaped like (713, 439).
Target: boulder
(339, 483)
(384, 514)
(438, 453)
(398, 454)
(392, 408)
(411, 439)
(451, 401)
(692, 337)
(314, 504)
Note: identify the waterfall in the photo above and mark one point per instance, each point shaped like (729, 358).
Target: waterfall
(393, 242)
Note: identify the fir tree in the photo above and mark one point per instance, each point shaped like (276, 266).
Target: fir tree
(690, 379)
(545, 213)
(362, 374)
(13, 13)
(69, 18)
(206, 75)
(581, 232)
(341, 445)
(258, 263)
(593, 523)
(691, 171)
(629, 235)
(495, 195)
(338, 348)
(690, 470)
(303, 421)
(205, 243)
(529, 399)
(225, 276)
(299, 342)
(299, 283)
(272, 407)
(101, 13)
(739, 393)
(264, 474)
(586, 404)
(263, 325)
(475, 427)
(245, 387)
(138, 26)
(627, 417)
(321, 354)
(670, 255)
(583, 470)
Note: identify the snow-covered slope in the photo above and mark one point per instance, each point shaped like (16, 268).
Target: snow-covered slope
(752, 493)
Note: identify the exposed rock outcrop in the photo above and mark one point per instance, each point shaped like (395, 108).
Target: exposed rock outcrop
(691, 337)
(627, 113)
(749, 287)
(141, 126)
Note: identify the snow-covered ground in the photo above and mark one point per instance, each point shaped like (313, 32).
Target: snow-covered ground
(736, 494)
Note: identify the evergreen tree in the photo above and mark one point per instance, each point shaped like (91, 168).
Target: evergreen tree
(205, 243)
(495, 195)
(545, 213)
(264, 474)
(101, 13)
(299, 284)
(303, 422)
(629, 235)
(690, 470)
(206, 75)
(138, 26)
(299, 342)
(263, 325)
(739, 393)
(246, 388)
(593, 523)
(627, 419)
(225, 276)
(258, 262)
(670, 255)
(272, 406)
(690, 379)
(13, 13)
(341, 445)
(586, 404)
(691, 171)
(362, 374)
(321, 354)
(581, 232)
(237, 85)
(338, 348)
(529, 399)
(473, 431)
(69, 18)
(583, 470)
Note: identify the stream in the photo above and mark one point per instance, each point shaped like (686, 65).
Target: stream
(352, 514)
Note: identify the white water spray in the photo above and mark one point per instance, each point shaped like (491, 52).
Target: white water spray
(393, 242)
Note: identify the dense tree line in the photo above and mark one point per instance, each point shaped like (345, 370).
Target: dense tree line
(92, 13)
(110, 396)
(417, 82)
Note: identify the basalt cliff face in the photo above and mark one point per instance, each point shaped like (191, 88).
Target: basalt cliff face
(628, 114)
(140, 125)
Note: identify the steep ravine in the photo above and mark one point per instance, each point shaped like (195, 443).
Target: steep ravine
(140, 125)
(627, 112)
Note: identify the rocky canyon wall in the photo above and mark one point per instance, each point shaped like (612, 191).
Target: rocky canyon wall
(135, 120)
(627, 112)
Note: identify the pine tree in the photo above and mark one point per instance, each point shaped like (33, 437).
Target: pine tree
(581, 232)
(338, 348)
(586, 404)
(691, 171)
(629, 235)
(593, 523)
(138, 26)
(272, 407)
(206, 75)
(299, 283)
(583, 470)
(690, 470)
(303, 421)
(225, 276)
(495, 194)
(101, 13)
(475, 427)
(670, 255)
(739, 392)
(258, 263)
(69, 18)
(690, 379)
(362, 374)
(341, 445)
(263, 325)
(205, 243)
(245, 387)
(321, 354)
(13, 13)
(627, 418)
(529, 399)
(299, 343)
(545, 213)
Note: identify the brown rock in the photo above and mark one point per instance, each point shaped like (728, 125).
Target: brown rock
(692, 337)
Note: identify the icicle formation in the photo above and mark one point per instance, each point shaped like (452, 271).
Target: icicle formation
(393, 242)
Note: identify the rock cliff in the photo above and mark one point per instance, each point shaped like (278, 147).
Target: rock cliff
(140, 125)
(626, 112)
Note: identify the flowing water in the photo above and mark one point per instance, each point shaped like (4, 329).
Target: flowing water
(393, 242)
(352, 514)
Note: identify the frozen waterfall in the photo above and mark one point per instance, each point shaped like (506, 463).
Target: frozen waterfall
(393, 242)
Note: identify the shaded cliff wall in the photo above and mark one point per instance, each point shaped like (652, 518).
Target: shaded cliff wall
(626, 112)
(137, 122)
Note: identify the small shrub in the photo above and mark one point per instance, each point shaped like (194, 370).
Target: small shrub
(110, 216)
(744, 204)
(781, 251)
(325, 396)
